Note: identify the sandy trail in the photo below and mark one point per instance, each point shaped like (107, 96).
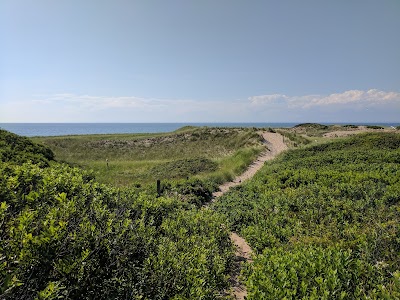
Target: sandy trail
(275, 145)
(243, 254)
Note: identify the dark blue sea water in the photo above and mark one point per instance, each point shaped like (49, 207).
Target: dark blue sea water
(55, 129)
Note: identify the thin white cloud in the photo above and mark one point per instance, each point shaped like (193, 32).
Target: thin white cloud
(139, 109)
(106, 102)
(266, 99)
(348, 98)
(356, 105)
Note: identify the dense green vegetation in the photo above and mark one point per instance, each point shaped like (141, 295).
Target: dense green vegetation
(64, 235)
(374, 127)
(315, 126)
(20, 149)
(142, 158)
(324, 221)
(183, 168)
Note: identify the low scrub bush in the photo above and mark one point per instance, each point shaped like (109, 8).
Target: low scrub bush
(194, 191)
(19, 149)
(183, 168)
(318, 273)
(323, 221)
(374, 127)
(64, 235)
(311, 126)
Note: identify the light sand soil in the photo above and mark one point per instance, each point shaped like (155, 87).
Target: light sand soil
(243, 254)
(275, 145)
(360, 129)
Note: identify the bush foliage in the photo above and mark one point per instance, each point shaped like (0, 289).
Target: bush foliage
(184, 167)
(19, 149)
(64, 235)
(324, 221)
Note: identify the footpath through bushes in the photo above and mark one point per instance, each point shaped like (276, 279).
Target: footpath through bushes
(324, 221)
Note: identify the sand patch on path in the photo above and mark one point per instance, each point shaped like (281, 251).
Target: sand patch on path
(360, 129)
(275, 145)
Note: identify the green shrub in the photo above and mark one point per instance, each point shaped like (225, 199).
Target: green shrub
(374, 127)
(343, 196)
(64, 235)
(317, 273)
(194, 191)
(17, 149)
(311, 126)
(183, 168)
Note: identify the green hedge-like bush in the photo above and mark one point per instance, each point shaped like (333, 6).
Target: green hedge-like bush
(183, 167)
(343, 196)
(374, 127)
(318, 273)
(194, 191)
(65, 236)
(20, 149)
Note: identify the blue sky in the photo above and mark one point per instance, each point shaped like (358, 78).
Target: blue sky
(199, 61)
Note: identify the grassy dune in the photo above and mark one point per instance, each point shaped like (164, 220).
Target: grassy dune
(141, 158)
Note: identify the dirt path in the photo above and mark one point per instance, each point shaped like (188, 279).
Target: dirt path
(243, 254)
(275, 145)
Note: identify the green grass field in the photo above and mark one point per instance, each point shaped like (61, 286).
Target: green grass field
(132, 159)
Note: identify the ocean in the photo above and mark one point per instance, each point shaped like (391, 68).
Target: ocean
(58, 129)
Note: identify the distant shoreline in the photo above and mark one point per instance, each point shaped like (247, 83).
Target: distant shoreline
(62, 129)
